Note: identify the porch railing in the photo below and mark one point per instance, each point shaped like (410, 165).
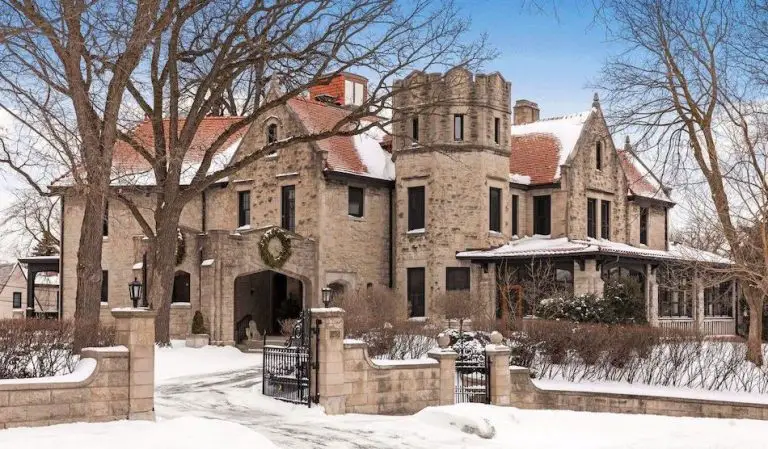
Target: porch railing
(712, 325)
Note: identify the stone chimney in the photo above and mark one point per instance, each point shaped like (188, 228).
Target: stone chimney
(525, 112)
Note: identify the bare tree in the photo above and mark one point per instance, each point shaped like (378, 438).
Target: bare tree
(689, 80)
(229, 57)
(66, 67)
(32, 222)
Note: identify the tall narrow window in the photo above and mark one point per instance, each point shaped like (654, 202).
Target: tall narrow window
(272, 133)
(17, 300)
(288, 206)
(497, 130)
(666, 227)
(415, 129)
(599, 155)
(415, 208)
(356, 201)
(542, 214)
(105, 224)
(243, 208)
(605, 219)
(591, 217)
(644, 225)
(416, 303)
(494, 206)
(456, 278)
(104, 286)
(515, 214)
(458, 127)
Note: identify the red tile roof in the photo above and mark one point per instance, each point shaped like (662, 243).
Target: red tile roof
(640, 180)
(125, 157)
(535, 155)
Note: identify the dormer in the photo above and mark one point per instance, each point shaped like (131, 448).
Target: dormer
(344, 89)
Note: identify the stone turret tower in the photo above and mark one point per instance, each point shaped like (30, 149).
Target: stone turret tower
(451, 152)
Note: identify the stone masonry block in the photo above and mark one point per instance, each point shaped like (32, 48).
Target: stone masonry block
(29, 397)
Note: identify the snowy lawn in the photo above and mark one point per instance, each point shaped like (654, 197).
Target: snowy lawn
(179, 360)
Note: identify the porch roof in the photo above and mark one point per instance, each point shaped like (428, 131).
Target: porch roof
(544, 245)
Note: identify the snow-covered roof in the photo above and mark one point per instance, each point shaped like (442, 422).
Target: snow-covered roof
(538, 149)
(544, 245)
(642, 182)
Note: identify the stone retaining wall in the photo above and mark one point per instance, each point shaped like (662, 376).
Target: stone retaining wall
(108, 383)
(350, 382)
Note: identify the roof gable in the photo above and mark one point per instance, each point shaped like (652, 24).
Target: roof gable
(640, 181)
(540, 148)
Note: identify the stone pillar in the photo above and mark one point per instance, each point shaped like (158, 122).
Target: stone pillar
(330, 360)
(499, 383)
(136, 331)
(446, 357)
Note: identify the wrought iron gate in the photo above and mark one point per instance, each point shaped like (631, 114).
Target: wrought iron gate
(473, 380)
(289, 369)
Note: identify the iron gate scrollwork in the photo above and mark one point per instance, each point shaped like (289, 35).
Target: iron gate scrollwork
(289, 369)
(473, 373)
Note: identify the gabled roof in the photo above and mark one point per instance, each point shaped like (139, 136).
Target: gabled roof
(538, 149)
(544, 245)
(360, 154)
(641, 182)
(6, 270)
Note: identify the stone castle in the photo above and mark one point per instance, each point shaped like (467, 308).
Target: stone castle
(475, 191)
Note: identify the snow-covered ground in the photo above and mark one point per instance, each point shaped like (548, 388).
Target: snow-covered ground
(211, 397)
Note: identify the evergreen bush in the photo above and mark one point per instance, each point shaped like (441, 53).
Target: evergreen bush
(198, 325)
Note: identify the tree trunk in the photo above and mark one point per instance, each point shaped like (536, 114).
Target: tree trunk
(755, 302)
(162, 265)
(88, 297)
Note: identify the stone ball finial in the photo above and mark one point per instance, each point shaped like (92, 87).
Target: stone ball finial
(443, 341)
(496, 337)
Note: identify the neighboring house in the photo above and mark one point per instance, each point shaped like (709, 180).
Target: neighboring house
(13, 290)
(453, 206)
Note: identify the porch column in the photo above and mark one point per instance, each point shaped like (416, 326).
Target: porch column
(652, 296)
(698, 296)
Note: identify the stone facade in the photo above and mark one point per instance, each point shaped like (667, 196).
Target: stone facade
(119, 384)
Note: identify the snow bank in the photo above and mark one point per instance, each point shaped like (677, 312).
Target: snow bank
(180, 433)
(474, 419)
(179, 360)
(82, 371)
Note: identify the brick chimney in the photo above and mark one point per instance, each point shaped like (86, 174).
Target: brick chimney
(346, 88)
(525, 112)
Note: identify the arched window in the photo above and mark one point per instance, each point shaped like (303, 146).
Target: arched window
(180, 287)
(599, 155)
(272, 133)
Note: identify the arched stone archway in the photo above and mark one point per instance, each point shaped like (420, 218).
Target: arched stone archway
(266, 297)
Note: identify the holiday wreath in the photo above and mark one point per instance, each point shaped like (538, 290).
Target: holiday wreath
(271, 259)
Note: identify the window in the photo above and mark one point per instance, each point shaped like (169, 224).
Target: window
(456, 278)
(494, 218)
(180, 287)
(104, 286)
(718, 300)
(605, 219)
(458, 127)
(353, 93)
(356, 201)
(416, 305)
(644, 225)
(497, 130)
(17, 300)
(243, 208)
(415, 208)
(272, 133)
(415, 129)
(105, 224)
(675, 303)
(591, 218)
(515, 216)
(541, 214)
(599, 155)
(666, 226)
(288, 205)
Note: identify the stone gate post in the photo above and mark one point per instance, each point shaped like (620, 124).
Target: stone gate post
(446, 357)
(329, 352)
(500, 381)
(136, 330)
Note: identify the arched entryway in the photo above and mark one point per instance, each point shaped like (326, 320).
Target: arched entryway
(267, 298)
(181, 287)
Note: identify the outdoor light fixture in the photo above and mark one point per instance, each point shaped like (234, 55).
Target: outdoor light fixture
(134, 288)
(326, 297)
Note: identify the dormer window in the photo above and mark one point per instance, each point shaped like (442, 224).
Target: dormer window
(272, 133)
(354, 93)
(599, 155)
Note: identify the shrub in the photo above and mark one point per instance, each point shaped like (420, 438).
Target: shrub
(622, 303)
(39, 348)
(198, 324)
(625, 299)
